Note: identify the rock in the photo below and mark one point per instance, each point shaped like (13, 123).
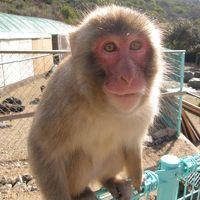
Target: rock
(10, 181)
(20, 187)
(18, 164)
(4, 109)
(12, 104)
(187, 76)
(4, 124)
(12, 100)
(35, 101)
(26, 178)
(2, 180)
(5, 188)
(32, 185)
(197, 74)
(17, 108)
(194, 83)
(19, 179)
(32, 188)
(167, 132)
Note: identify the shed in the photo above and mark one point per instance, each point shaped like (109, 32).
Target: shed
(28, 33)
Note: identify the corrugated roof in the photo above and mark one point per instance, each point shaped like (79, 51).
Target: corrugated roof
(19, 25)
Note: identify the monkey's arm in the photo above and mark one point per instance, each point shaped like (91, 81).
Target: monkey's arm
(133, 164)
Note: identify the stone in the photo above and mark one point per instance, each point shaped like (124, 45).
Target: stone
(197, 74)
(194, 83)
(2, 180)
(26, 178)
(19, 179)
(167, 132)
(5, 188)
(187, 76)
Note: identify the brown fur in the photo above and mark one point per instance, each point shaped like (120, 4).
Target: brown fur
(77, 136)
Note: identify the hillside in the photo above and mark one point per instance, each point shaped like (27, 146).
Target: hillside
(70, 10)
(180, 20)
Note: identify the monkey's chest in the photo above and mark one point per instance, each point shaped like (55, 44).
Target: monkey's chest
(98, 156)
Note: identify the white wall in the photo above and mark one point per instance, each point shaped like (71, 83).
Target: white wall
(16, 71)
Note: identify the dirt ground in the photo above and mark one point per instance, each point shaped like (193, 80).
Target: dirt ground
(13, 151)
(180, 147)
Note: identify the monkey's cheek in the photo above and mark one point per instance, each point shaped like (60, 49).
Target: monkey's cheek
(125, 102)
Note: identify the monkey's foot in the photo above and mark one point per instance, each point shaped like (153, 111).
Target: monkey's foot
(87, 194)
(120, 189)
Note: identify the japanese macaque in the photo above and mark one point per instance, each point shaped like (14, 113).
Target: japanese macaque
(97, 107)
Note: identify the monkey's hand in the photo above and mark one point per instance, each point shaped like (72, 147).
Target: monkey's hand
(137, 181)
(120, 189)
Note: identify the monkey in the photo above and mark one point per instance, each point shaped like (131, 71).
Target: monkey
(97, 107)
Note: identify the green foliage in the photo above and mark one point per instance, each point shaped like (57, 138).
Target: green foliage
(184, 35)
(69, 13)
(48, 1)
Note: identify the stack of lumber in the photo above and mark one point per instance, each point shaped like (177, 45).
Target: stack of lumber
(188, 127)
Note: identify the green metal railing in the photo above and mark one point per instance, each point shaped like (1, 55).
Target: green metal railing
(175, 78)
(174, 179)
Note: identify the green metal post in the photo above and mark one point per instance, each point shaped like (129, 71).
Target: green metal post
(181, 89)
(168, 178)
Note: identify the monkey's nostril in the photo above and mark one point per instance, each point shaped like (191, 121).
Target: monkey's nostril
(124, 79)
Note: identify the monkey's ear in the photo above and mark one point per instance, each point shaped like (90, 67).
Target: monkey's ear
(72, 42)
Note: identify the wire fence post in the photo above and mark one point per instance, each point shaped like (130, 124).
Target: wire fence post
(168, 178)
(182, 59)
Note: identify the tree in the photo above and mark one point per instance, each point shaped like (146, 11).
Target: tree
(184, 35)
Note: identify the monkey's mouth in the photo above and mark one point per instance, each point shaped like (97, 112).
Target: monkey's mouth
(125, 101)
(126, 97)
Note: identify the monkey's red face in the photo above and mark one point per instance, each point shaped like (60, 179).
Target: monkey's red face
(124, 59)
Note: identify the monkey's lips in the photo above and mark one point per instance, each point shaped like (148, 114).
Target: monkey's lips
(125, 101)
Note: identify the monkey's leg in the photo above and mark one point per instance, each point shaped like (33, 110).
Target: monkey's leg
(120, 189)
(50, 174)
(133, 163)
(87, 194)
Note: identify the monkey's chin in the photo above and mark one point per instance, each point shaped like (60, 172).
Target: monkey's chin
(125, 102)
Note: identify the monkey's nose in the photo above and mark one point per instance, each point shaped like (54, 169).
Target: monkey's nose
(125, 79)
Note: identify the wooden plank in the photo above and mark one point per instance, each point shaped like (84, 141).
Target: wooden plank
(16, 116)
(195, 131)
(188, 127)
(184, 127)
(190, 109)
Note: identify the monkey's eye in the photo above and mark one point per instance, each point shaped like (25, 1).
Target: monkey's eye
(110, 47)
(135, 45)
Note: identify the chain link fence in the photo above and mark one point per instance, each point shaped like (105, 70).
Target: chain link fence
(23, 77)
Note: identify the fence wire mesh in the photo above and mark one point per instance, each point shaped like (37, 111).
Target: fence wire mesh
(23, 78)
